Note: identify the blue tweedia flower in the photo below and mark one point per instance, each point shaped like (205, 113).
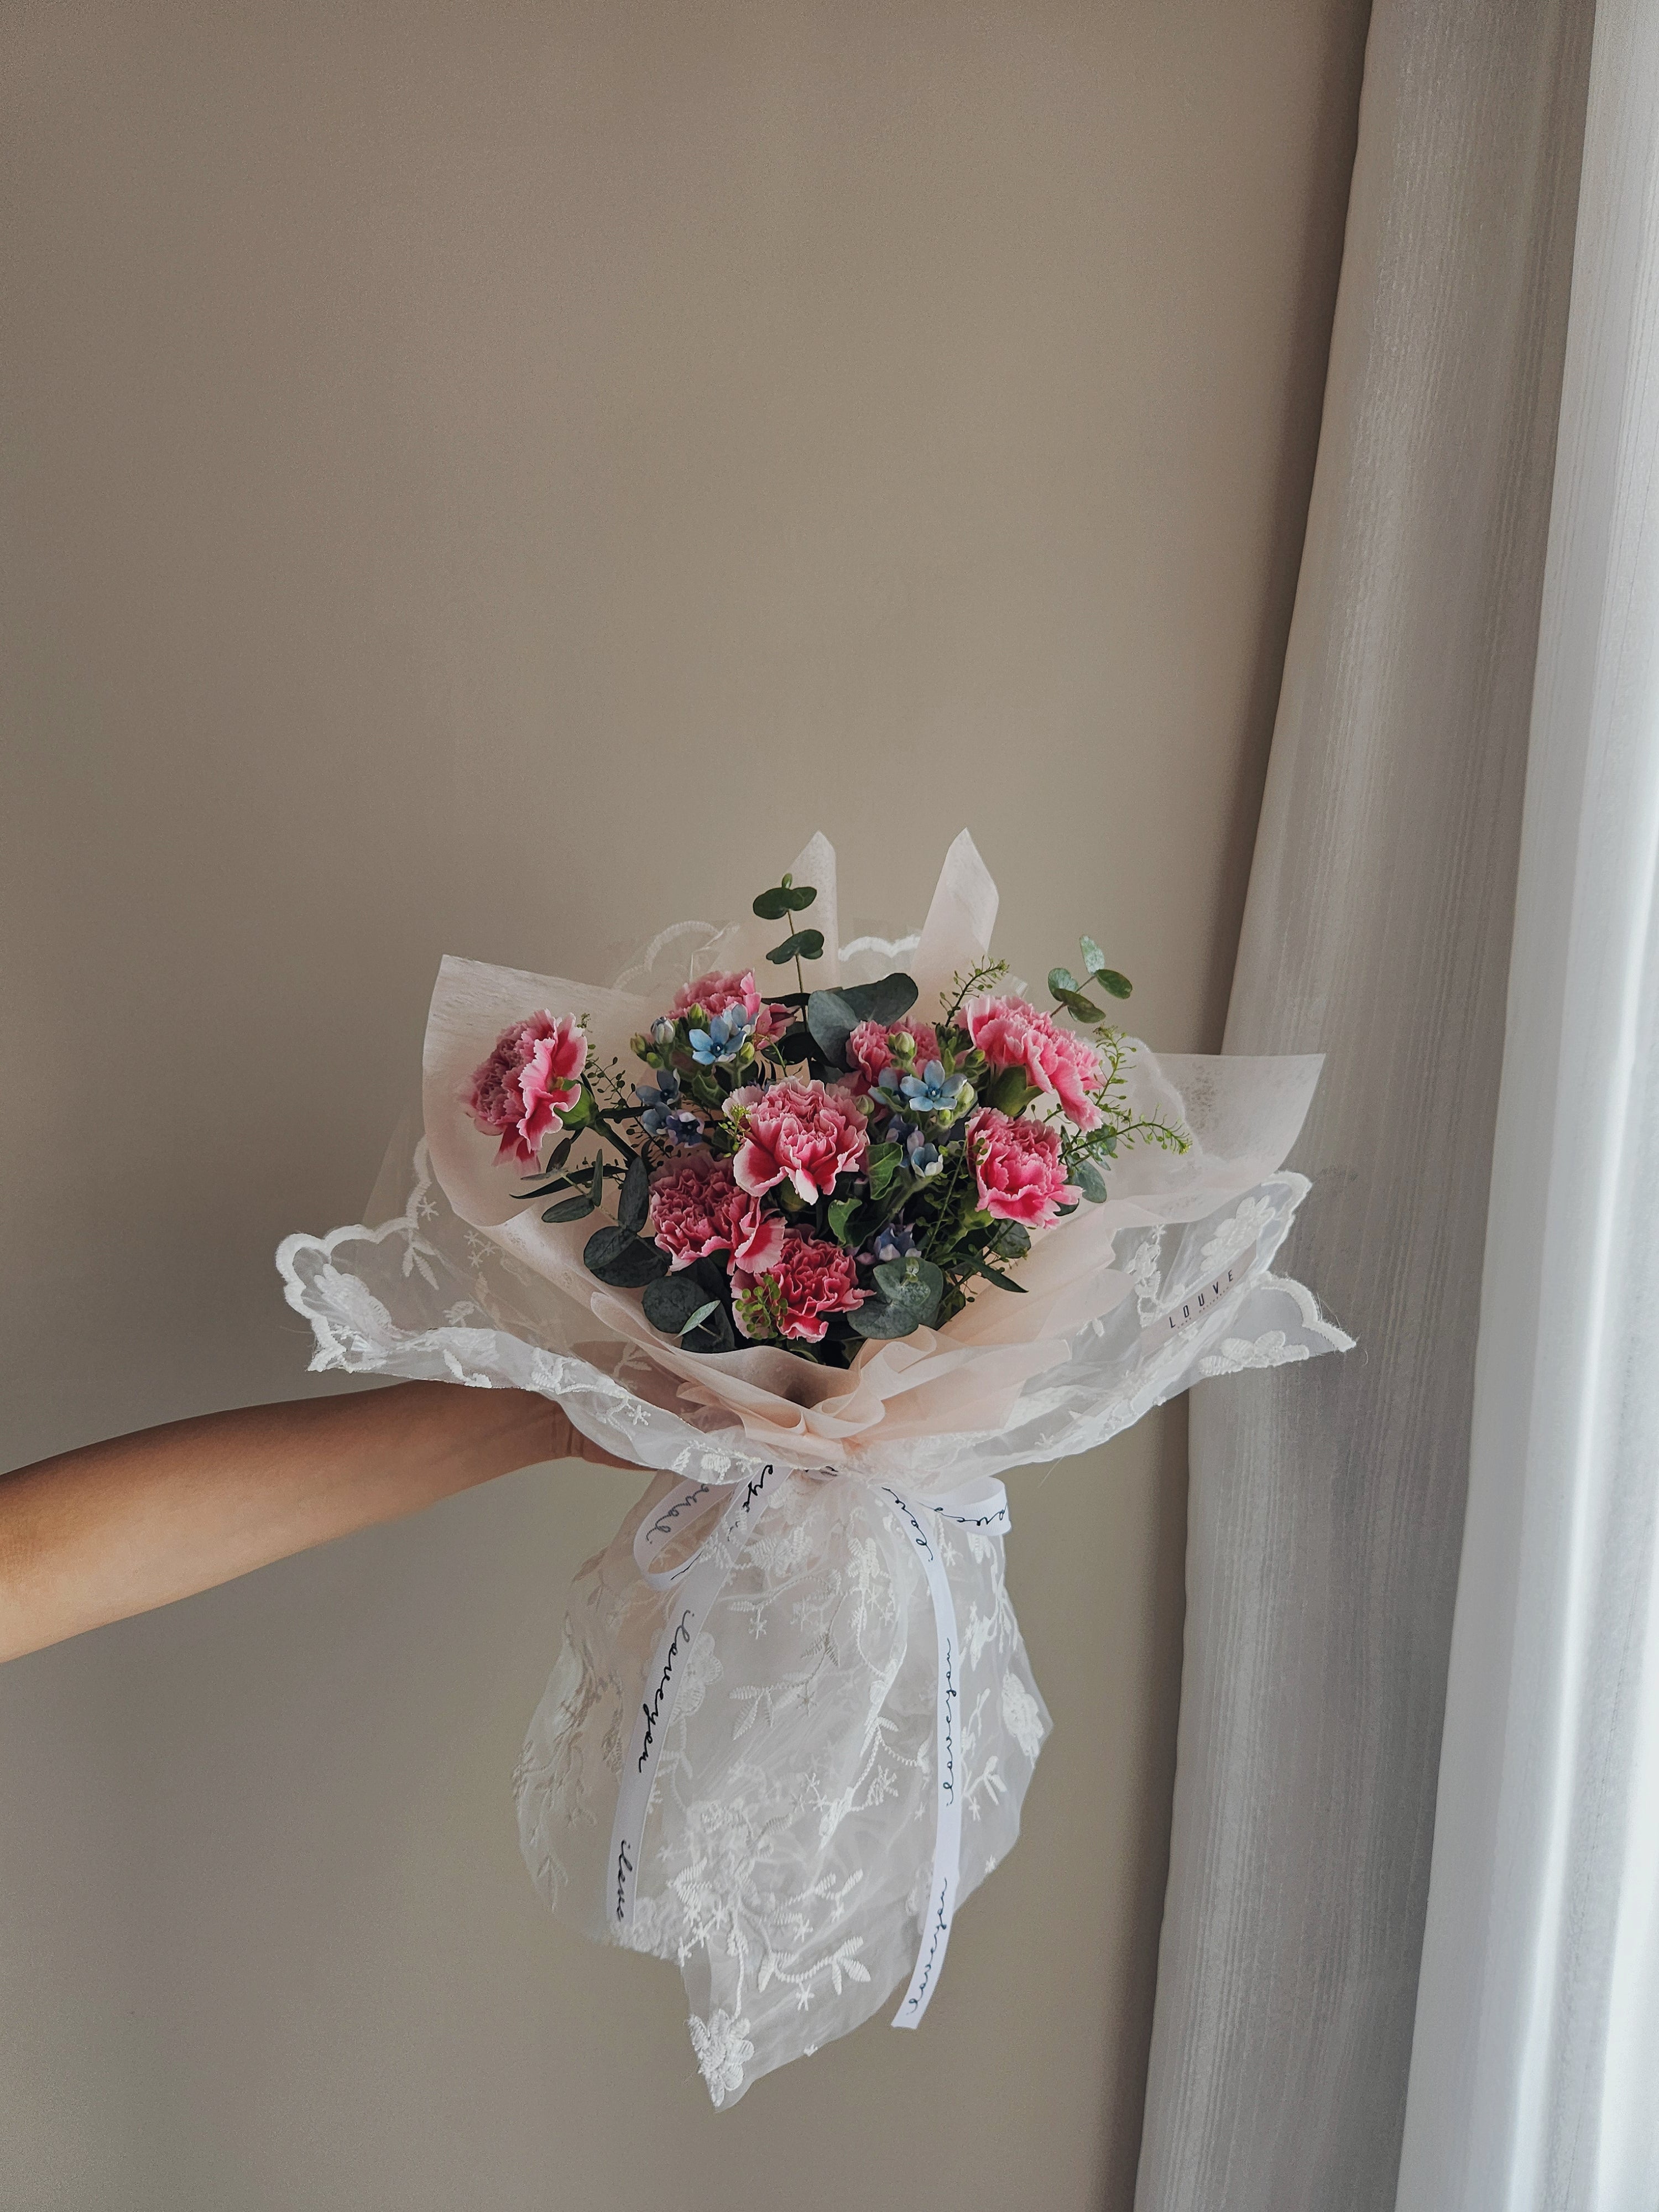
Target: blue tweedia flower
(934, 1091)
(723, 1040)
(662, 1032)
(895, 1241)
(657, 1103)
(682, 1128)
(920, 1157)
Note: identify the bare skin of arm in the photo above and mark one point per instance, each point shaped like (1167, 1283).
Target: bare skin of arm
(119, 1528)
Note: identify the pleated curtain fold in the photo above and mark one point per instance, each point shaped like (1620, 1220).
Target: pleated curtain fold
(1327, 1510)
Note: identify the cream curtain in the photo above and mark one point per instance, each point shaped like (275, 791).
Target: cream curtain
(1326, 1513)
(1534, 2080)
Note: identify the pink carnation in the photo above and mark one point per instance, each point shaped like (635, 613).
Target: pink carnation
(800, 1132)
(529, 1079)
(869, 1047)
(812, 1280)
(1018, 1166)
(714, 993)
(1012, 1034)
(696, 1209)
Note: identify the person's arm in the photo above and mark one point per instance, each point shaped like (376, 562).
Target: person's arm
(115, 1529)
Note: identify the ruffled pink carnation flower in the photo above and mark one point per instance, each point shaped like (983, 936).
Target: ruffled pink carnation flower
(1018, 1166)
(529, 1079)
(1012, 1034)
(869, 1047)
(696, 1209)
(715, 992)
(812, 1280)
(800, 1132)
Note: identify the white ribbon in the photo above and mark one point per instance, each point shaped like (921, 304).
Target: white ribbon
(1196, 1303)
(697, 1581)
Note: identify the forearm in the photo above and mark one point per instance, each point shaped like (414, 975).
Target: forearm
(115, 1529)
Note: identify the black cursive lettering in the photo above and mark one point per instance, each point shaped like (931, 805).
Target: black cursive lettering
(941, 1928)
(947, 1772)
(653, 1710)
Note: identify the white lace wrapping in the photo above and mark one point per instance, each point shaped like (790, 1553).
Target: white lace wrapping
(788, 1840)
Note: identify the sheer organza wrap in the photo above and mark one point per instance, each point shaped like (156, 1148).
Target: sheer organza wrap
(788, 1840)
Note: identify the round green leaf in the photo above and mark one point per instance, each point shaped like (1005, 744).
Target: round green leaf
(877, 1318)
(804, 945)
(623, 1261)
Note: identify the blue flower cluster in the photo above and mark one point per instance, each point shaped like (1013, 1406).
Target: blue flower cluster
(663, 1113)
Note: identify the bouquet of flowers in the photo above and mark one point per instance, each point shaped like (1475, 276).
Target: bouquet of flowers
(822, 1170)
(827, 1260)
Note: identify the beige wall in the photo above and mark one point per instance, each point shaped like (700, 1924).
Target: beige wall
(494, 478)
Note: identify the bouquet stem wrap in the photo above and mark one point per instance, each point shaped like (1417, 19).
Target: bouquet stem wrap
(697, 1582)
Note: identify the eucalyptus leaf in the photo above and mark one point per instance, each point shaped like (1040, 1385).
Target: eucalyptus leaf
(1061, 979)
(1120, 986)
(670, 1301)
(1094, 960)
(624, 1262)
(832, 1015)
(787, 898)
(1083, 1009)
(635, 1201)
(1003, 1282)
(561, 1154)
(911, 1277)
(804, 945)
(714, 1334)
(605, 1244)
(831, 1018)
(596, 1188)
(877, 1319)
(1013, 1240)
(709, 1273)
(680, 1306)
(915, 1285)
(1090, 1182)
(572, 1209)
(885, 999)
